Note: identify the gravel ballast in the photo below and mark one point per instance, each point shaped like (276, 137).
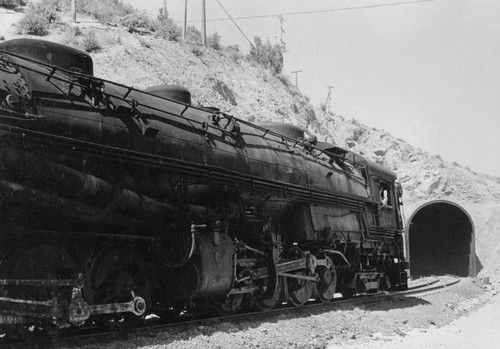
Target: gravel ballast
(332, 327)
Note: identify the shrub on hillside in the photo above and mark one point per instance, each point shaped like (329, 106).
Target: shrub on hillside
(268, 55)
(39, 17)
(34, 24)
(56, 5)
(48, 8)
(90, 43)
(105, 11)
(166, 28)
(233, 52)
(136, 20)
(12, 3)
(193, 35)
(213, 41)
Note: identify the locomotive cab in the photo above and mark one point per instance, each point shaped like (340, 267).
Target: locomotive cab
(385, 191)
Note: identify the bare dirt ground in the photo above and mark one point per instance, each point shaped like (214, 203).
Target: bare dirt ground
(477, 330)
(407, 320)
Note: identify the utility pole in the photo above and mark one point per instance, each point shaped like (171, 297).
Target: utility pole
(165, 13)
(328, 97)
(73, 10)
(296, 73)
(203, 24)
(282, 31)
(185, 19)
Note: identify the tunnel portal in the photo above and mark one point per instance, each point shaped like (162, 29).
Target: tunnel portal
(441, 240)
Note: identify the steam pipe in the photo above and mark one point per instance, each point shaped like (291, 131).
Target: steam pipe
(48, 175)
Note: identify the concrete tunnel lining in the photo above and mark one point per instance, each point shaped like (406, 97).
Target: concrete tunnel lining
(441, 240)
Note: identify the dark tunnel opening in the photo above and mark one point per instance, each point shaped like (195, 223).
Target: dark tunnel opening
(441, 241)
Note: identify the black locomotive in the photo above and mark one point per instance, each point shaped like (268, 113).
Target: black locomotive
(117, 203)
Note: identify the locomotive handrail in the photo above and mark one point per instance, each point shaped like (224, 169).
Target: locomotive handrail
(54, 69)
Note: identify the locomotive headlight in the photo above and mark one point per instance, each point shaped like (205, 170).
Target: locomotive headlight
(14, 103)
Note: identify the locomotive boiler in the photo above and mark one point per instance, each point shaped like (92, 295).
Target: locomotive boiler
(116, 203)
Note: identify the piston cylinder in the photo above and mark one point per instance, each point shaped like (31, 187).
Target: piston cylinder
(210, 271)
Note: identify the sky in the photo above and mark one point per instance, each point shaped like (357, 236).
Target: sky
(426, 71)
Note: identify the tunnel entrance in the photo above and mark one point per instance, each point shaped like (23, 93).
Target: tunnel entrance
(441, 240)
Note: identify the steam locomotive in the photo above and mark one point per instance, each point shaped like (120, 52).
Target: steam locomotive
(117, 203)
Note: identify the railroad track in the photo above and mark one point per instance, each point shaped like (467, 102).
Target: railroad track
(96, 335)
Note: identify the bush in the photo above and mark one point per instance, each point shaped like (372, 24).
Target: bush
(55, 5)
(270, 56)
(213, 41)
(233, 52)
(193, 35)
(166, 28)
(47, 8)
(90, 43)
(105, 10)
(136, 20)
(12, 3)
(39, 17)
(34, 24)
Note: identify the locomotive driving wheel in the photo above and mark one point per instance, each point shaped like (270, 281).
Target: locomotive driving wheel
(300, 290)
(118, 274)
(266, 304)
(327, 284)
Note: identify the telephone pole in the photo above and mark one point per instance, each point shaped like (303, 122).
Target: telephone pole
(203, 24)
(73, 10)
(185, 19)
(296, 72)
(328, 97)
(165, 7)
(282, 31)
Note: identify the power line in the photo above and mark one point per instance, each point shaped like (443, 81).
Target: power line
(329, 97)
(316, 11)
(234, 22)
